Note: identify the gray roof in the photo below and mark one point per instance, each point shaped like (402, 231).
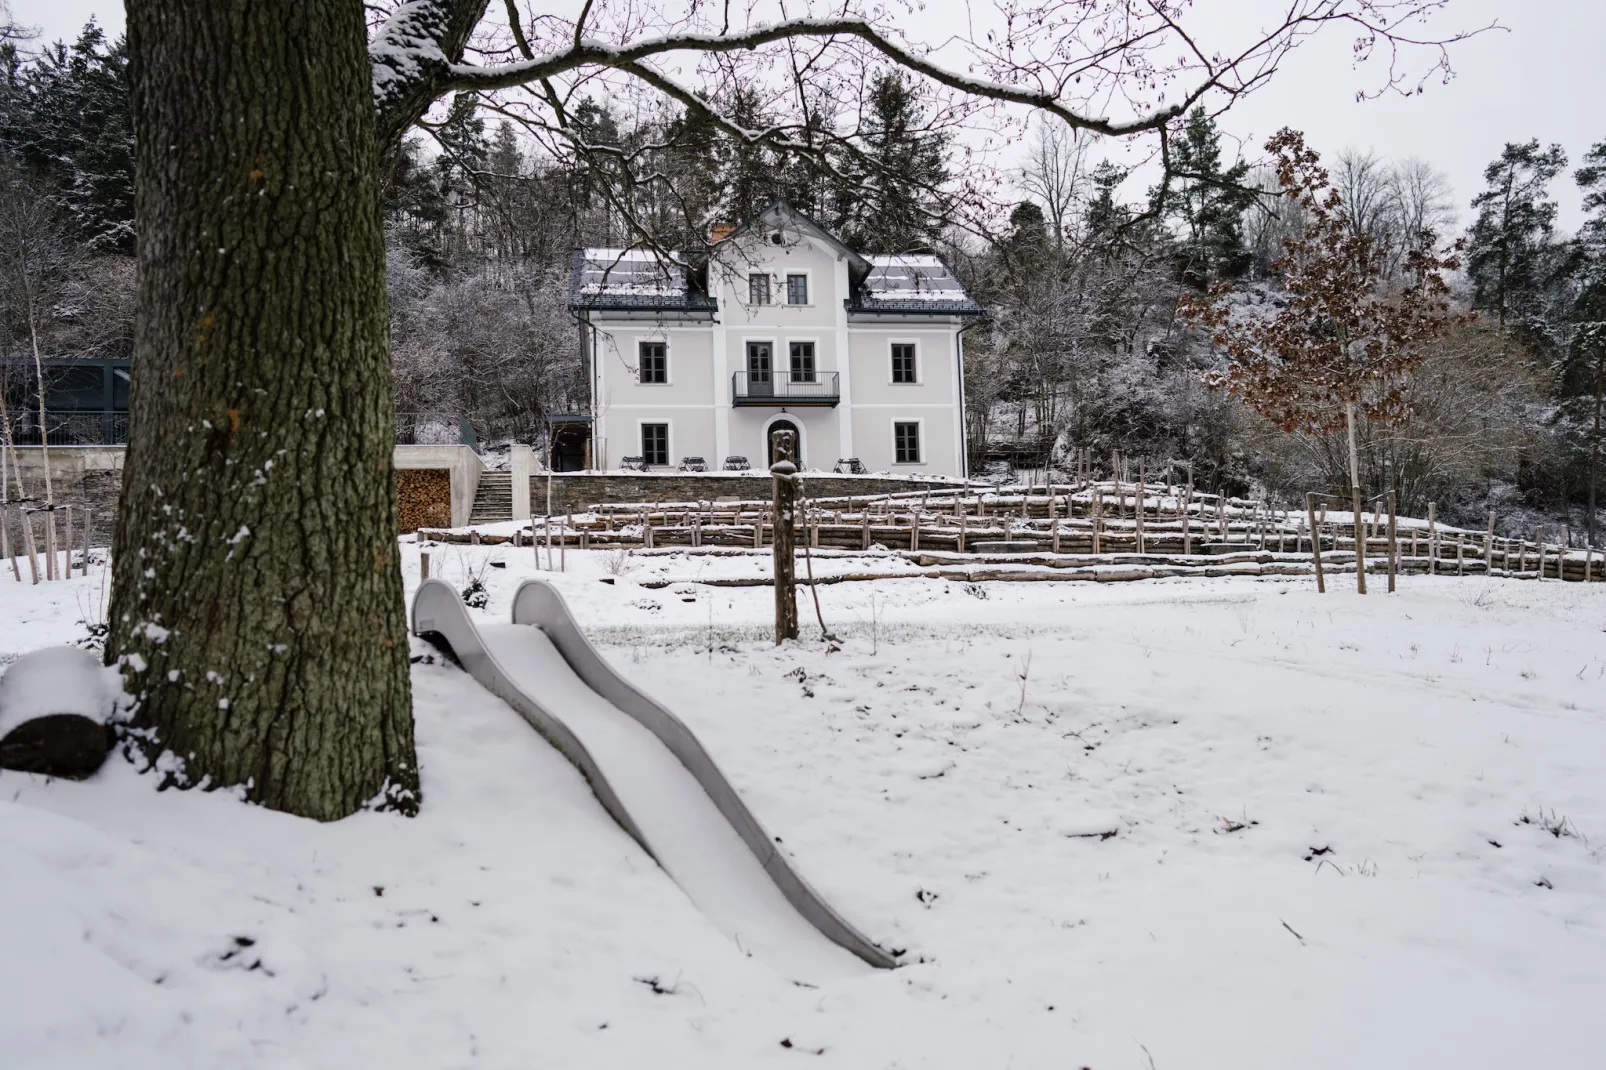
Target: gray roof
(919, 283)
(632, 279)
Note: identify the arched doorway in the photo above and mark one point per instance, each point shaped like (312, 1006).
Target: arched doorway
(784, 424)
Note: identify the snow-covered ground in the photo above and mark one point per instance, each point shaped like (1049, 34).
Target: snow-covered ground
(1173, 824)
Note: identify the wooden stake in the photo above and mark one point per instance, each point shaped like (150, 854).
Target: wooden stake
(423, 565)
(1054, 526)
(1140, 502)
(1393, 544)
(1488, 547)
(66, 570)
(1315, 544)
(1433, 539)
(962, 518)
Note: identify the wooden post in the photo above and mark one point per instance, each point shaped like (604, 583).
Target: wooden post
(1054, 527)
(1539, 537)
(1488, 547)
(88, 525)
(1433, 539)
(914, 531)
(50, 540)
(66, 555)
(1393, 544)
(423, 565)
(1187, 516)
(1140, 502)
(1315, 543)
(866, 519)
(783, 492)
(962, 518)
(1460, 556)
(563, 545)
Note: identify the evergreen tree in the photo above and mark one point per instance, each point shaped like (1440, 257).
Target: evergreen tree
(1104, 214)
(1208, 201)
(895, 200)
(1581, 371)
(65, 116)
(1510, 247)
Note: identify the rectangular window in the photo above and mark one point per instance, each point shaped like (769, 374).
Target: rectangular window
(655, 444)
(903, 362)
(654, 363)
(797, 289)
(906, 442)
(802, 362)
(758, 289)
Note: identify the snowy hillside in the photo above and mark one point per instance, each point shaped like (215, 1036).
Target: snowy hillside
(1175, 824)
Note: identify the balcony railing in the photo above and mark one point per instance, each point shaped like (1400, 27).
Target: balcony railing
(70, 427)
(783, 388)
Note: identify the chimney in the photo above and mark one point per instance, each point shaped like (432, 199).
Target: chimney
(719, 232)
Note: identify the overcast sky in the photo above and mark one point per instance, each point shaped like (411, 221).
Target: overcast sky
(1545, 78)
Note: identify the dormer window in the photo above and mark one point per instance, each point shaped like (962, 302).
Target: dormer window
(797, 289)
(758, 289)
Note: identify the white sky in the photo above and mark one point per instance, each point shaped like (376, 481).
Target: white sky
(1544, 78)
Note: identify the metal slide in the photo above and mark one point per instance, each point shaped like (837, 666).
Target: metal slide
(653, 776)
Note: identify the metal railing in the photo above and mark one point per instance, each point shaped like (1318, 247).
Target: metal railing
(94, 427)
(784, 388)
(70, 427)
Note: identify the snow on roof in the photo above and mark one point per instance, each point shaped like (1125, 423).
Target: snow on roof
(630, 273)
(925, 278)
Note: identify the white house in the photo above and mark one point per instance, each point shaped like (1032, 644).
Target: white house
(781, 326)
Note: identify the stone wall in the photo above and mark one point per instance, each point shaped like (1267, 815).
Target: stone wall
(80, 476)
(572, 492)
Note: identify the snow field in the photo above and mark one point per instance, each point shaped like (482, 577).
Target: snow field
(1303, 792)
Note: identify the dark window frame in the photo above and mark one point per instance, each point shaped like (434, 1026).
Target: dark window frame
(655, 452)
(905, 363)
(803, 365)
(801, 282)
(652, 363)
(906, 445)
(758, 288)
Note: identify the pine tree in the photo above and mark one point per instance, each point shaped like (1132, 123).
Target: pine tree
(1208, 201)
(1510, 246)
(895, 201)
(1581, 371)
(65, 115)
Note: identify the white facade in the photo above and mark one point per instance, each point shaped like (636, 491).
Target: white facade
(862, 355)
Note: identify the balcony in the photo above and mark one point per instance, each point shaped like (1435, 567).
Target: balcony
(782, 388)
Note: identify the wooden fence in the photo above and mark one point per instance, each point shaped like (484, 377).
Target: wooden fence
(1098, 519)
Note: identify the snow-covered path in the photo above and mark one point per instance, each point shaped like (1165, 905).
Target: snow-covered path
(1345, 832)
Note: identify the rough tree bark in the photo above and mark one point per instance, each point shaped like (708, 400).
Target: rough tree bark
(257, 601)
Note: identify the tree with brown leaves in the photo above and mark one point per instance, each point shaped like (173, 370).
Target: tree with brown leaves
(1344, 339)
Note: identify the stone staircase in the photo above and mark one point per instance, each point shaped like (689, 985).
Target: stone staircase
(493, 502)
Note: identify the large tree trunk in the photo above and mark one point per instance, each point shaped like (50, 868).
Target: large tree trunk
(257, 600)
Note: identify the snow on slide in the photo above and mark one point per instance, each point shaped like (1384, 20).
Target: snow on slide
(653, 776)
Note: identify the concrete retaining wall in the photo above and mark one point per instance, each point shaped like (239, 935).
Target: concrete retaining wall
(462, 462)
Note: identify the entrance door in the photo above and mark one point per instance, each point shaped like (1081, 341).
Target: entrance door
(797, 441)
(760, 376)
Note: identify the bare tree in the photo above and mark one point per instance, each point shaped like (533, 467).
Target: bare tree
(1055, 174)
